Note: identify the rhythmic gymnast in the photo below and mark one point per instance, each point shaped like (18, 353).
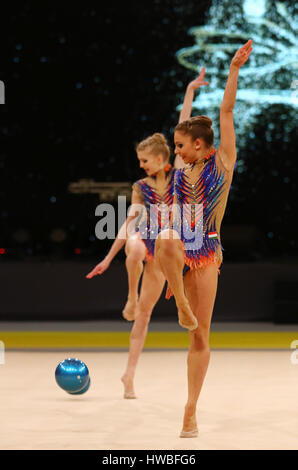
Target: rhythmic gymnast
(153, 154)
(191, 268)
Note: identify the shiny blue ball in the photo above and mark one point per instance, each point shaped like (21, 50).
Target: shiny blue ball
(84, 389)
(72, 375)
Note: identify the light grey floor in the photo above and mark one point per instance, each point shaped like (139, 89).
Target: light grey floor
(248, 401)
(126, 326)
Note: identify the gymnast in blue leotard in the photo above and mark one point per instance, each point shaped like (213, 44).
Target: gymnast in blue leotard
(155, 189)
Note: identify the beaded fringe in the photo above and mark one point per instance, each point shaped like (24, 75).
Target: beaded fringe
(197, 264)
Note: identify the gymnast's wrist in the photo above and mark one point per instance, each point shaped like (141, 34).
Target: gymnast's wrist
(190, 88)
(234, 68)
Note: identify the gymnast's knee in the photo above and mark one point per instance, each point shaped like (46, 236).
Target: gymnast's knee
(200, 340)
(144, 311)
(141, 322)
(167, 243)
(136, 252)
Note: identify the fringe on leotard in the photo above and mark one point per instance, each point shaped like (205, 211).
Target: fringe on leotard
(209, 191)
(154, 200)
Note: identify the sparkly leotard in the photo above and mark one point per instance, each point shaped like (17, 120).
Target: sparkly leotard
(149, 227)
(209, 193)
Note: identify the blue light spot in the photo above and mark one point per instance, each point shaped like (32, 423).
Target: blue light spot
(91, 238)
(19, 47)
(270, 235)
(53, 199)
(79, 85)
(286, 179)
(43, 59)
(16, 60)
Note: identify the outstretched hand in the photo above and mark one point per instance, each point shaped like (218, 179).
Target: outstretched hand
(99, 269)
(242, 54)
(199, 81)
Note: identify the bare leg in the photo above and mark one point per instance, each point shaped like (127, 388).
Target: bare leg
(135, 253)
(170, 257)
(152, 286)
(201, 287)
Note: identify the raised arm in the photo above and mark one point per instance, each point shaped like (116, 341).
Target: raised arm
(189, 95)
(227, 147)
(187, 105)
(121, 238)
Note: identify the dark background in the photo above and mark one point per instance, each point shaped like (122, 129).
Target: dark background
(84, 83)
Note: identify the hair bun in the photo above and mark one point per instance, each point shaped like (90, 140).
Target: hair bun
(156, 144)
(158, 137)
(202, 121)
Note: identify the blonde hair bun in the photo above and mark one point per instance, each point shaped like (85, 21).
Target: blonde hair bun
(157, 144)
(159, 138)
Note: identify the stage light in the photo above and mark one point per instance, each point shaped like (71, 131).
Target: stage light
(58, 235)
(21, 235)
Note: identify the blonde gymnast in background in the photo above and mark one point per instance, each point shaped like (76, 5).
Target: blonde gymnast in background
(153, 155)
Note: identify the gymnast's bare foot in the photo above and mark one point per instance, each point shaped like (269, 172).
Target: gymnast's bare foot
(186, 317)
(190, 428)
(128, 387)
(129, 311)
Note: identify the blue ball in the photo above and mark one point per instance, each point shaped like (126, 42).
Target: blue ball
(84, 389)
(72, 375)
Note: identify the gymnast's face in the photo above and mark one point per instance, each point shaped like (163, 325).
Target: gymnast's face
(185, 147)
(149, 162)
